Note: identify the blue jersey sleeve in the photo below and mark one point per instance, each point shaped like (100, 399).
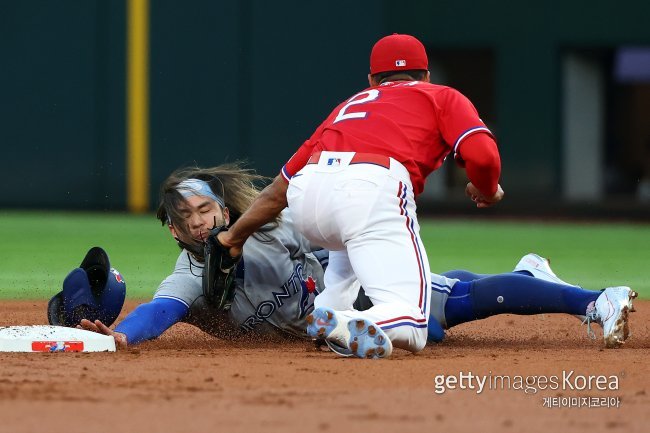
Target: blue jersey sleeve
(150, 320)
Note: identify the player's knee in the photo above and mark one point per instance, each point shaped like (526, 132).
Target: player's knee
(420, 340)
(408, 338)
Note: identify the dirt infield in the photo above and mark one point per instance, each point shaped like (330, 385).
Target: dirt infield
(188, 381)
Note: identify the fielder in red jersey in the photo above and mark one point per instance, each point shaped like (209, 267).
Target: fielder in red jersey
(415, 122)
(351, 188)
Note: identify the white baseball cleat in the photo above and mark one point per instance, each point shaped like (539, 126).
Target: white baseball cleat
(611, 310)
(539, 267)
(325, 323)
(352, 337)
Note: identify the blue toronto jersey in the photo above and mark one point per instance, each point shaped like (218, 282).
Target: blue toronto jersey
(273, 294)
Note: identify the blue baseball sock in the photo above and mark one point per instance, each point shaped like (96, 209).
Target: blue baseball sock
(459, 307)
(515, 294)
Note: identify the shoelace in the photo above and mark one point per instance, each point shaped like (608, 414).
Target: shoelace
(591, 316)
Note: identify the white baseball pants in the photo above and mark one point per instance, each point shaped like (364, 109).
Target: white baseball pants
(365, 214)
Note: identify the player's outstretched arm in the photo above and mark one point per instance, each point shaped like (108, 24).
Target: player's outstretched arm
(146, 322)
(100, 328)
(266, 206)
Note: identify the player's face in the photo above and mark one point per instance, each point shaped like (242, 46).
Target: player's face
(200, 214)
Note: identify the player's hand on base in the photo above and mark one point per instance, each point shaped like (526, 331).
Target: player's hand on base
(100, 328)
(481, 200)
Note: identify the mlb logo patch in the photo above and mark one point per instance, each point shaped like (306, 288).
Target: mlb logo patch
(57, 346)
(334, 161)
(400, 63)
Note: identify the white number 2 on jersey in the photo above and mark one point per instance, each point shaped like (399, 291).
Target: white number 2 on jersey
(359, 98)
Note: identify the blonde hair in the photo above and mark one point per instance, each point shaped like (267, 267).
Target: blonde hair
(238, 186)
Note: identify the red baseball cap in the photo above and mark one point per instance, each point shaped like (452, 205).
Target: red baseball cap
(398, 52)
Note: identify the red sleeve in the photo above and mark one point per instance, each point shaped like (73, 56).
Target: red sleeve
(480, 156)
(297, 161)
(457, 117)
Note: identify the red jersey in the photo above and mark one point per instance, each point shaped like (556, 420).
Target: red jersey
(415, 122)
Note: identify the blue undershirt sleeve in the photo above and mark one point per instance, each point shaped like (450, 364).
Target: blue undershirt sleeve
(150, 320)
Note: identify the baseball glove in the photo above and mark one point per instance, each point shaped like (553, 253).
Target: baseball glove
(219, 271)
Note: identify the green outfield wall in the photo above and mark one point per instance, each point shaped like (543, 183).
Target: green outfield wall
(250, 80)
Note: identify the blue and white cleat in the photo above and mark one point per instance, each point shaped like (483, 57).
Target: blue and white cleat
(367, 340)
(325, 323)
(349, 337)
(611, 310)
